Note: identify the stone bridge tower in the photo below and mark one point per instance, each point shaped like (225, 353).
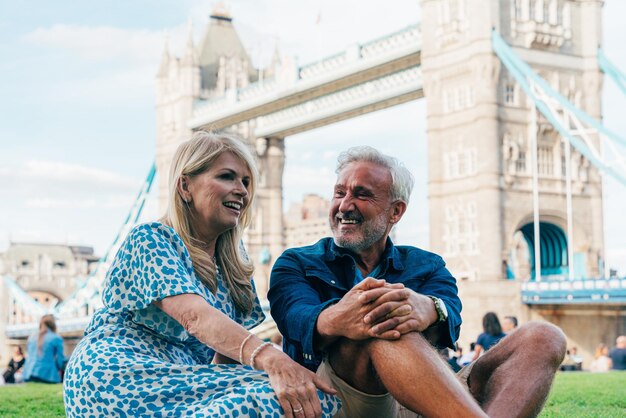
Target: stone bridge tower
(215, 68)
(480, 174)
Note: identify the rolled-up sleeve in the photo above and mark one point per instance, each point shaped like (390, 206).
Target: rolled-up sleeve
(295, 306)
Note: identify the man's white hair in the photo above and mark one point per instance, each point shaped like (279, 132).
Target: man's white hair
(401, 178)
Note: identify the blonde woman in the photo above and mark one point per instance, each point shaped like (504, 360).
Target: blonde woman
(601, 360)
(45, 359)
(172, 338)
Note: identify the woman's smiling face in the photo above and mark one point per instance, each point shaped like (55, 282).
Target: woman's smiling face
(218, 196)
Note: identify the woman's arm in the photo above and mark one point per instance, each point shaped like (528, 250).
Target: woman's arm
(295, 386)
(209, 325)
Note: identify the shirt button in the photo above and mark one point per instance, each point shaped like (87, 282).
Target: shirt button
(332, 281)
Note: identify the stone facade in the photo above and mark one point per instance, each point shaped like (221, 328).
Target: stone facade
(479, 121)
(480, 176)
(49, 273)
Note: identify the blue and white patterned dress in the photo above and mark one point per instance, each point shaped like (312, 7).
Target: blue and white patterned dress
(135, 360)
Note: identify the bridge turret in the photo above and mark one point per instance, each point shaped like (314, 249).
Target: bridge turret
(479, 140)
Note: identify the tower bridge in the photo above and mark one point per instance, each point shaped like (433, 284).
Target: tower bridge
(506, 163)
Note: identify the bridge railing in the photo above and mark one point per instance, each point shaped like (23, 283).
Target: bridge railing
(64, 325)
(580, 291)
(409, 37)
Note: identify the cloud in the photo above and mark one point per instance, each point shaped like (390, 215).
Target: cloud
(113, 88)
(121, 63)
(310, 30)
(101, 43)
(74, 174)
(53, 184)
(52, 201)
(299, 180)
(106, 202)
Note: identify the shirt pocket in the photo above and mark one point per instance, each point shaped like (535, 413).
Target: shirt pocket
(324, 278)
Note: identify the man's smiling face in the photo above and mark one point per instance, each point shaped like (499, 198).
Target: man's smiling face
(361, 209)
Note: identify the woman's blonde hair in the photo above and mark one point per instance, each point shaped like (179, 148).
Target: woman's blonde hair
(192, 158)
(601, 350)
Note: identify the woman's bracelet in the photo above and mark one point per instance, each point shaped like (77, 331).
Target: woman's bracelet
(257, 351)
(245, 340)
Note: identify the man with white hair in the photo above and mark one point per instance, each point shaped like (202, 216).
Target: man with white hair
(365, 313)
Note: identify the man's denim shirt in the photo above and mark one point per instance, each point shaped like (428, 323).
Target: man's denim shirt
(306, 280)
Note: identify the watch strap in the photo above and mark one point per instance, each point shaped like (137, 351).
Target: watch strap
(441, 316)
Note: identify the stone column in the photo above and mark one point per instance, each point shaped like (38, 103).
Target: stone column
(266, 238)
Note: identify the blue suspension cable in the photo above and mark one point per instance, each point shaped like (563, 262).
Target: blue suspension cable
(612, 71)
(137, 208)
(522, 73)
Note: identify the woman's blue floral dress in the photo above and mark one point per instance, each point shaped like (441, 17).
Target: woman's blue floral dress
(136, 360)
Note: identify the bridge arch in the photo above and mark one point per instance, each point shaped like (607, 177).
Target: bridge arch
(553, 246)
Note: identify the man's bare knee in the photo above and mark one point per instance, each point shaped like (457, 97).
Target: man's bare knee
(351, 361)
(545, 340)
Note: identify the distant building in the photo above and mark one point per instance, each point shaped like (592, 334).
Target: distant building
(307, 222)
(48, 270)
(49, 273)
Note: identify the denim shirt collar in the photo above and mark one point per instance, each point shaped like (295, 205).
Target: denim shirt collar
(391, 255)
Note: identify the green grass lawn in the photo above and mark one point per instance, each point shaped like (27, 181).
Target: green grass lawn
(31, 400)
(587, 395)
(574, 395)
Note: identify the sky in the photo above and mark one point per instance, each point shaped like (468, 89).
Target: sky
(77, 119)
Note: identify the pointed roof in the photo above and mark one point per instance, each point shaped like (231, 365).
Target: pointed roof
(221, 39)
(189, 57)
(165, 59)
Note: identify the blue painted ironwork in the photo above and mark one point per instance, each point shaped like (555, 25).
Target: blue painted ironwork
(89, 292)
(525, 77)
(71, 312)
(612, 71)
(553, 244)
(575, 292)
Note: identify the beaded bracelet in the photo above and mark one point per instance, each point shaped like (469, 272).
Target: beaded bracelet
(257, 351)
(245, 340)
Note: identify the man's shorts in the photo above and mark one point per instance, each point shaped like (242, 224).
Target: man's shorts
(357, 404)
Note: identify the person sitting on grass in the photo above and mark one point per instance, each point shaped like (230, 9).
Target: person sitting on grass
(618, 353)
(173, 336)
(601, 360)
(45, 358)
(365, 313)
(13, 372)
(492, 333)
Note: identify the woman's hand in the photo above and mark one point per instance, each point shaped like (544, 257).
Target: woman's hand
(295, 386)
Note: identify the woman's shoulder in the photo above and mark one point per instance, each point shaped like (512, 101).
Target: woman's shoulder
(153, 228)
(154, 232)
(52, 336)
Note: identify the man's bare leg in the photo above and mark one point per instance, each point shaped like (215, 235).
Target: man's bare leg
(513, 378)
(409, 369)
